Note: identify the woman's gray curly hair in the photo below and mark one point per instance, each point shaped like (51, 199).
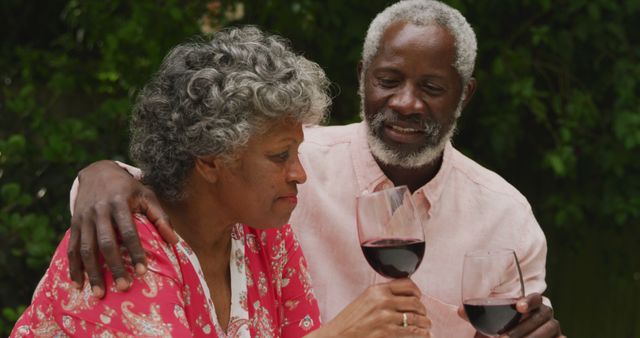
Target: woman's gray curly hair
(210, 98)
(422, 13)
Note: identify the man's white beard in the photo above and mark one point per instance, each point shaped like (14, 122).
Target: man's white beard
(383, 153)
(387, 155)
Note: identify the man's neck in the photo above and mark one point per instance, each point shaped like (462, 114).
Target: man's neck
(414, 178)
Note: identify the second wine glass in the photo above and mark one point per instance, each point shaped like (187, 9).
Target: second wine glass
(390, 232)
(491, 286)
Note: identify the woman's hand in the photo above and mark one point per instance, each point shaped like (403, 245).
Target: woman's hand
(379, 312)
(107, 196)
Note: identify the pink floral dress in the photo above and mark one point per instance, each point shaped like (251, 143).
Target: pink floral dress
(270, 287)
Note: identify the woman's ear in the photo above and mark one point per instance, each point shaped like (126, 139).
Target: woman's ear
(209, 167)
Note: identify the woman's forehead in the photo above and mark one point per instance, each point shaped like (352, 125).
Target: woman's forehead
(281, 131)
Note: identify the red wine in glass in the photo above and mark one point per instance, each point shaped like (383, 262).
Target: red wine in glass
(394, 257)
(390, 231)
(492, 316)
(491, 286)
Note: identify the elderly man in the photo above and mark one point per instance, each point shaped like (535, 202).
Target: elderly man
(415, 79)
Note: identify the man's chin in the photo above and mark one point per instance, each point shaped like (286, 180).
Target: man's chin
(403, 149)
(404, 155)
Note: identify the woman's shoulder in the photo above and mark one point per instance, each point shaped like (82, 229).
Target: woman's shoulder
(161, 257)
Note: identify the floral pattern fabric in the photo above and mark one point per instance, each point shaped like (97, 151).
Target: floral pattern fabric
(271, 293)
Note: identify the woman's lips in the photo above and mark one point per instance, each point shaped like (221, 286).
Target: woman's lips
(293, 199)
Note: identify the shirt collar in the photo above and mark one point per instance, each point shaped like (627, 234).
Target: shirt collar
(370, 177)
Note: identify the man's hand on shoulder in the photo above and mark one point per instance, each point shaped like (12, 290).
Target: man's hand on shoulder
(107, 197)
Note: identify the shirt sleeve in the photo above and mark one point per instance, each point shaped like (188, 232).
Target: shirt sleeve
(73, 194)
(532, 255)
(153, 306)
(300, 313)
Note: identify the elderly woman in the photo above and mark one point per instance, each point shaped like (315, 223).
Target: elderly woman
(216, 133)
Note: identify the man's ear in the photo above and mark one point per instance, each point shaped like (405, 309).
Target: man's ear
(470, 89)
(209, 167)
(359, 70)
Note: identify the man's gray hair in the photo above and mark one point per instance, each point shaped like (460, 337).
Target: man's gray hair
(209, 98)
(422, 13)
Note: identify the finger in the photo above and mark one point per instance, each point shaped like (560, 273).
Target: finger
(536, 319)
(412, 331)
(404, 287)
(529, 303)
(550, 328)
(151, 208)
(89, 255)
(129, 234)
(409, 304)
(73, 253)
(462, 313)
(109, 247)
(418, 320)
(417, 325)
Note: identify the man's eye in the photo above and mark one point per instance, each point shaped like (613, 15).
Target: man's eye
(387, 83)
(431, 88)
(280, 157)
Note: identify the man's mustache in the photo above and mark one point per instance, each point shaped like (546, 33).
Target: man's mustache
(388, 115)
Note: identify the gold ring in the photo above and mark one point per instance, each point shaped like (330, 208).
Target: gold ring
(405, 320)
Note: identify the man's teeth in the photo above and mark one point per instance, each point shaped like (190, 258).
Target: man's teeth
(404, 130)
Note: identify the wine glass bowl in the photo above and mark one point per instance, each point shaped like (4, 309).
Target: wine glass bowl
(390, 232)
(491, 286)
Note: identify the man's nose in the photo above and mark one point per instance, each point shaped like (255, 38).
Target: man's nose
(407, 100)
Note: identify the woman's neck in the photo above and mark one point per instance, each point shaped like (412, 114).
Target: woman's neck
(206, 228)
(202, 227)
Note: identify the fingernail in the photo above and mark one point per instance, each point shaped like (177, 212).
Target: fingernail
(523, 306)
(97, 291)
(141, 269)
(122, 284)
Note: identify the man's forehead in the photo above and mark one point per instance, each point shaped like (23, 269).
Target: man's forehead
(402, 34)
(403, 42)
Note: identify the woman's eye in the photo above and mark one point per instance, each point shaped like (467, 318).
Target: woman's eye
(280, 157)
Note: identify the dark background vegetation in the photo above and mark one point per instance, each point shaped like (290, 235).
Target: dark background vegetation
(556, 113)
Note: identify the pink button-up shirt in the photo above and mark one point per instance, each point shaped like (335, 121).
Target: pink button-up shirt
(466, 206)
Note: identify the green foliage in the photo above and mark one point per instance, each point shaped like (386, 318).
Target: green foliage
(66, 93)
(556, 113)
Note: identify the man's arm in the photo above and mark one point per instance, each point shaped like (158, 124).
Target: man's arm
(538, 320)
(107, 196)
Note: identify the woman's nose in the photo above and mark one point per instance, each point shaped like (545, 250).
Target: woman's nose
(296, 172)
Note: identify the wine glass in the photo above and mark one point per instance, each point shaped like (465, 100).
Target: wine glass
(491, 286)
(390, 232)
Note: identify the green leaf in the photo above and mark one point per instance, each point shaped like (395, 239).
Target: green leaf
(10, 191)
